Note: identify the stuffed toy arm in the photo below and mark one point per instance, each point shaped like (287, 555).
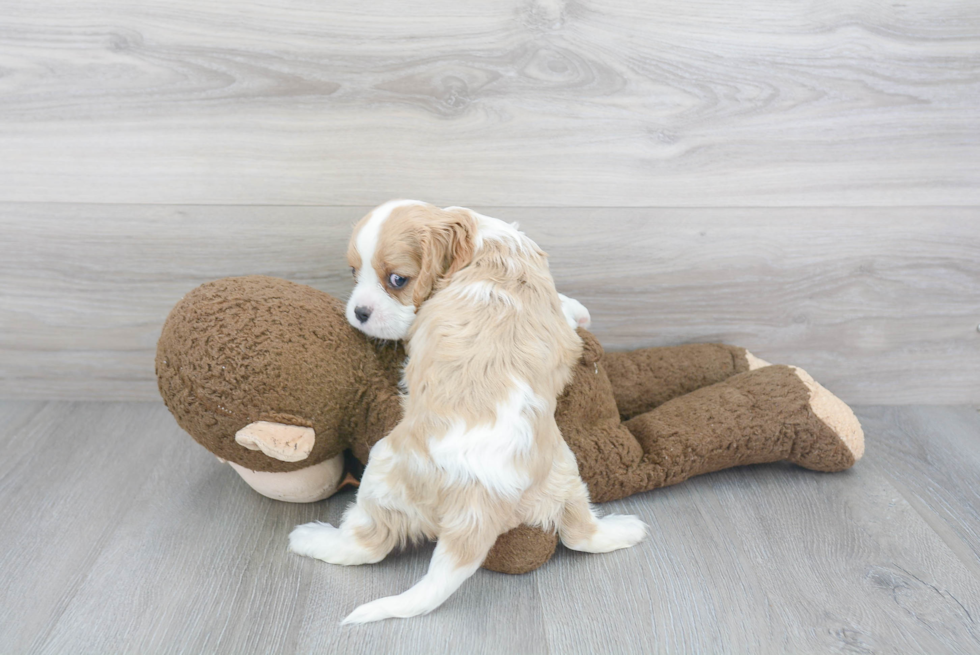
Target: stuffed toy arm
(766, 414)
(647, 378)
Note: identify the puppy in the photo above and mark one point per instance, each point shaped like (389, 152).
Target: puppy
(490, 348)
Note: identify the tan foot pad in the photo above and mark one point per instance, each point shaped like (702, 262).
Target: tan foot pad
(835, 413)
(755, 362)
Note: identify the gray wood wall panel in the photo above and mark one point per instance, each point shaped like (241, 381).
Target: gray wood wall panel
(880, 304)
(516, 103)
(801, 179)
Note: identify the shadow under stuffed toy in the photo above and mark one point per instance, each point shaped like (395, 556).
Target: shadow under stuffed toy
(269, 376)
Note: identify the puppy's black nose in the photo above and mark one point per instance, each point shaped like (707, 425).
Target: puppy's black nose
(362, 313)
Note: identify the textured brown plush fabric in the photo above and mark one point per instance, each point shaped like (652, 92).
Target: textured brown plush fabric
(521, 550)
(751, 418)
(241, 350)
(644, 379)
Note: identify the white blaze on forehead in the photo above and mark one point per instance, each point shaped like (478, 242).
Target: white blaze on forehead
(389, 318)
(367, 238)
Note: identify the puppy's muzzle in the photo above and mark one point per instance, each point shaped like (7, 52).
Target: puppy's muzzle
(362, 313)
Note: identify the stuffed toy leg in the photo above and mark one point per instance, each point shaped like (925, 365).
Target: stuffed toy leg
(690, 410)
(694, 409)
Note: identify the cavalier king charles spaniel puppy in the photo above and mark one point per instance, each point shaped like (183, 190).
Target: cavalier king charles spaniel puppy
(490, 347)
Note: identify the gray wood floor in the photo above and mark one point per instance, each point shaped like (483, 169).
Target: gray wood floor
(119, 534)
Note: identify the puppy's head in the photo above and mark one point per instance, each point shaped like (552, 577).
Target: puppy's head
(400, 254)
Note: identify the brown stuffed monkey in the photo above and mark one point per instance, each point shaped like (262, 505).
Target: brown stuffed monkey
(269, 376)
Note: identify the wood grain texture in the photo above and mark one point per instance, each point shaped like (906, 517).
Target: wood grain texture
(122, 535)
(68, 476)
(769, 559)
(516, 103)
(879, 304)
(932, 455)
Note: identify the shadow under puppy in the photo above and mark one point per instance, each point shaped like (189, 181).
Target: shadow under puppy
(478, 451)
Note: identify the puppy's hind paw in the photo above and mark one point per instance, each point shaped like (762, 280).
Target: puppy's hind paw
(332, 545)
(313, 539)
(613, 532)
(621, 531)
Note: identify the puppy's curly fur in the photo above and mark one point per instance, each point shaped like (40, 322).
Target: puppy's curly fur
(478, 451)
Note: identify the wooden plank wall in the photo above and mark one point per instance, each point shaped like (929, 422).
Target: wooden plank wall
(803, 180)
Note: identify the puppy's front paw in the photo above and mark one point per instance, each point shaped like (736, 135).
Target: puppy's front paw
(575, 312)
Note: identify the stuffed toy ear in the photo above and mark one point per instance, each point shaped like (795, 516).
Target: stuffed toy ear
(447, 246)
(591, 348)
(287, 443)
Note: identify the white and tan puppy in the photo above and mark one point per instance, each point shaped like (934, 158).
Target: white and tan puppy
(478, 452)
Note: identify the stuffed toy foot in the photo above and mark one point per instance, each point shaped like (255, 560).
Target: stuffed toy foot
(702, 407)
(770, 414)
(767, 414)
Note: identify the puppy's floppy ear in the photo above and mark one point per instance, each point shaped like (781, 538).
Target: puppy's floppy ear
(447, 243)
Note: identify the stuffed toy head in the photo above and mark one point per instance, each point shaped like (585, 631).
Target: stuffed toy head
(240, 357)
(269, 376)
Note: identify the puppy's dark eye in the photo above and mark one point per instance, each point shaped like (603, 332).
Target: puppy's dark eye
(353, 272)
(396, 281)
